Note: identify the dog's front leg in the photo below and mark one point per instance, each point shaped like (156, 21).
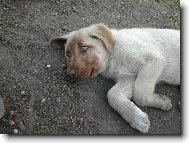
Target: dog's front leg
(119, 99)
(145, 83)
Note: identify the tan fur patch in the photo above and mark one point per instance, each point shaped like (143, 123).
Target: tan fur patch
(104, 34)
(85, 64)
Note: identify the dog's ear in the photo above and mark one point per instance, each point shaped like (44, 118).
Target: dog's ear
(102, 32)
(60, 42)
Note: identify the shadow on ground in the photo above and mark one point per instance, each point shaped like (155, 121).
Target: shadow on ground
(43, 100)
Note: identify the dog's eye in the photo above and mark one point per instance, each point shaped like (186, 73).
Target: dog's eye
(83, 48)
(94, 37)
(68, 54)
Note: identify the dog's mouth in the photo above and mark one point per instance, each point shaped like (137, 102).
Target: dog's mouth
(92, 73)
(82, 76)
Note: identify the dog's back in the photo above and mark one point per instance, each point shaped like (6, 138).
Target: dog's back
(158, 41)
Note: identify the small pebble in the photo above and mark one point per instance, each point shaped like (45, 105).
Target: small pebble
(64, 66)
(73, 9)
(80, 120)
(15, 131)
(5, 120)
(21, 125)
(23, 92)
(64, 28)
(2, 108)
(179, 104)
(12, 123)
(43, 100)
(11, 113)
(48, 66)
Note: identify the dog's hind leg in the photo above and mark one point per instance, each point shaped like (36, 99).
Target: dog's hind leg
(119, 99)
(145, 83)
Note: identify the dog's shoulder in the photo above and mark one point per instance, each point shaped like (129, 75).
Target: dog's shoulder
(146, 38)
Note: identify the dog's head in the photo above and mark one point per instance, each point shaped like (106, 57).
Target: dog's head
(87, 50)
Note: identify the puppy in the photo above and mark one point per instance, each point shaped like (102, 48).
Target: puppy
(137, 59)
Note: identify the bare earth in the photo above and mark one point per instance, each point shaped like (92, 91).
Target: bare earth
(43, 100)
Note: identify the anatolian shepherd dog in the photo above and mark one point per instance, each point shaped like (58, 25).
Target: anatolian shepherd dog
(137, 59)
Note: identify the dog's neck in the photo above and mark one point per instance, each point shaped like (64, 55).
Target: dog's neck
(105, 63)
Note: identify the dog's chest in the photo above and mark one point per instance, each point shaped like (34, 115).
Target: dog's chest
(118, 69)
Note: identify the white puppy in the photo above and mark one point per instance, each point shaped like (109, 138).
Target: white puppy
(137, 59)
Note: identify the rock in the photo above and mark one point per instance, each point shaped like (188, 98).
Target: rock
(73, 9)
(43, 100)
(64, 66)
(2, 108)
(15, 131)
(64, 28)
(179, 104)
(80, 120)
(48, 66)
(23, 92)
(21, 126)
(12, 123)
(5, 120)
(11, 113)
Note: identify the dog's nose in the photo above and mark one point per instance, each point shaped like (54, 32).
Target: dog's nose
(72, 73)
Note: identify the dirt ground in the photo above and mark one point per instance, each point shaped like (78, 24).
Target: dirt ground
(40, 98)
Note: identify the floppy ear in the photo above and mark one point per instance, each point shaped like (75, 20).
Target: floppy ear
(58, 43)
(102, 32)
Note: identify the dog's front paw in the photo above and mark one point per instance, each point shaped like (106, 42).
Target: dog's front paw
(167, 104)
(141, 122)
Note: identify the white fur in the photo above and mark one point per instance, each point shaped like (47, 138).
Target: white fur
(142, 58)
